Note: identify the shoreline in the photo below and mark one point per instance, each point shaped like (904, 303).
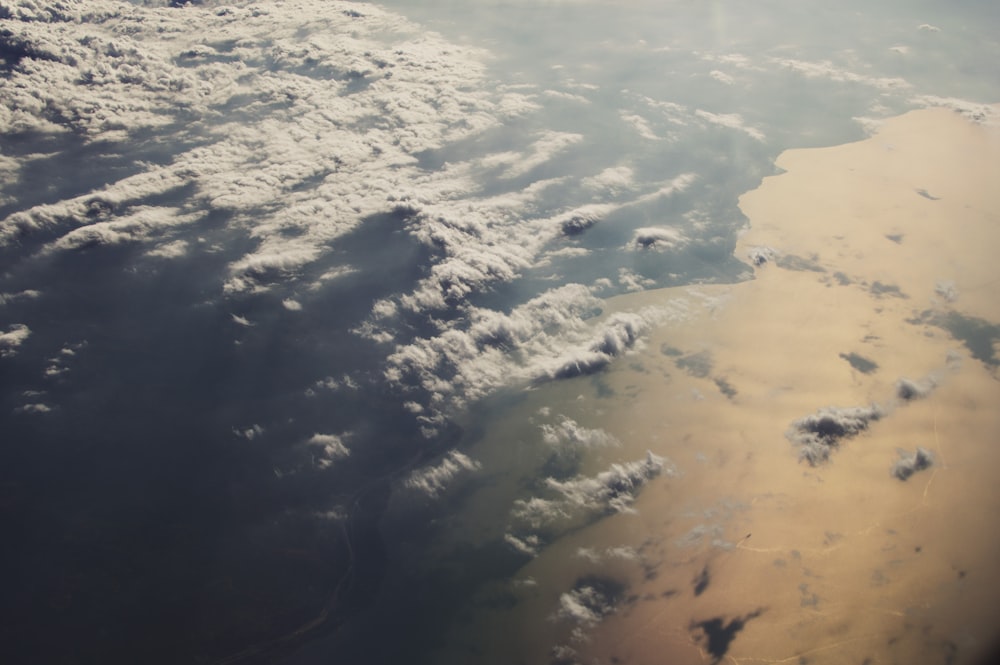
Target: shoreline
(748, 553)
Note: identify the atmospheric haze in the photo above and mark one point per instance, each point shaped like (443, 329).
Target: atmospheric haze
(499, 332)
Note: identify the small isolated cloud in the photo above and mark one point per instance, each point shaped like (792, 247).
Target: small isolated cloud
(255, 431)
(579, 500)
(291, 305)
(28, 294)
(328, 447)
(170, 250)
(827, 70)
(640, 125)
(632, 281)
(591, 599)
(761, 254)
(721, 77)
(15, 336)
(568, 433)
(975, 111)
(909, 390)
(241, 320)
(819, 434)
(732, 121)
(927, 27)
(621, 553)
(910, 463)
(34, 408)
(659, 238)
(433, 480)
(947, 290)
(613, 180)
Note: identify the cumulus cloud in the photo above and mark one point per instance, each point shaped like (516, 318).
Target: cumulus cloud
(632, 281)
(910, 463)
(613, 180)
(909, 390)
(567, 432)
(433, 480)
(15, 336)
(975, 111)
(329, 126)
(328, 448)
(28, 294)
(732, 121)
(659, 238)
(819, 434)
(33, 408)
(828, 70)
(721, 77)
(250, 433)
(580, 499)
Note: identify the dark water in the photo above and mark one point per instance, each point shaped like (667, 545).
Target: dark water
(161, 501)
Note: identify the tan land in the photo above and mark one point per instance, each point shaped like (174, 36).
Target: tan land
(882, 267)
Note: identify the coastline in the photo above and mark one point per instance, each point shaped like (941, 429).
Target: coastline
(877, 254)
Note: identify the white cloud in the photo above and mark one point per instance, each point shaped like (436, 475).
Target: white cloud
(632, 281)
(721, 77)
(15, 336)
(34, 408)
(433, 480)
(612, 180)
(659, 238)
(976, 111)
(250, 433)
(569, 433)
(28, 294)
(578, 500)
(291, 305)
(828, 70)
(328, 447)
(731, 120)
(641, 126)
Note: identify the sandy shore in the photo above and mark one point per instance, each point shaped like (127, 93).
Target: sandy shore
(878, 269)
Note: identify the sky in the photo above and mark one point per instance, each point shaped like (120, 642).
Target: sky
(273, 272)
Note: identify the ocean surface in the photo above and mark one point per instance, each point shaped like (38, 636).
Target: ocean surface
(306, 307)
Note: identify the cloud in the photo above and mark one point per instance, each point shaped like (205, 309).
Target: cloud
(722, 77)
(567, 433)
(255, 431)
(15, 336)
(909, 390)
(659, 238)
(433, 480)
(591, 599)
(826, 69)
(28, 294)
(641, 126)
(908, 463)
(544, 149)
(631, 281)
(819, 434)
(612, 180)
(291, 305)
(579, 500)
(329, 447)
(732, 121)
(976, 111)
(34, 408)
